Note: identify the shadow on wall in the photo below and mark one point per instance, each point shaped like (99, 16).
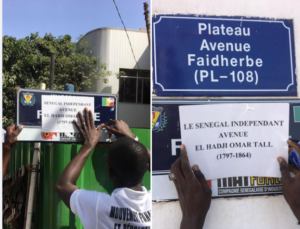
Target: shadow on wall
(144, 60)
(106, 90)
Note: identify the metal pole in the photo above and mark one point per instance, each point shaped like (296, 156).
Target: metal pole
(147, 20)
(33, 178)
(52, 65)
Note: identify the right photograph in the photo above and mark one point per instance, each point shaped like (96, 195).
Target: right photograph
(225, 114)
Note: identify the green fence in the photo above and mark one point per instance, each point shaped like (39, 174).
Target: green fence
(50, 211)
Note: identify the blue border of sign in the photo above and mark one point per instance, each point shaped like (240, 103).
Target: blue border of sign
(160, 90)
(108, 115)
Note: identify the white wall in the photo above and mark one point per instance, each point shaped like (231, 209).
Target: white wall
(112, 46)
(270, 212)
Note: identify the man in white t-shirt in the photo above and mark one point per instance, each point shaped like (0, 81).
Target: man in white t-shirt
(129, 205)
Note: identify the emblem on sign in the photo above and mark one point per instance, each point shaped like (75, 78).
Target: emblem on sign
(159, 119)
(27, 99)
(48, 135)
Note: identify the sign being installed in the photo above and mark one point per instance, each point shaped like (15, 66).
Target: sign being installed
(48, 115)
(167, 139)
(58, 112)
(240, 140)
(223, 56)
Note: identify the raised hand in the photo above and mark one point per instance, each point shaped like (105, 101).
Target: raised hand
(11, 138)
(87, 128)
(291, 185)
(11, 135)
(193, 192)
(119, 128)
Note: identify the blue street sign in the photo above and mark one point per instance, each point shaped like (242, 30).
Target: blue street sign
(29, 106)
(29, 114)
(223, 56)
(166, 136)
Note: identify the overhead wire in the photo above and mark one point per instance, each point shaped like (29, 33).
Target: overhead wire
(127, 37)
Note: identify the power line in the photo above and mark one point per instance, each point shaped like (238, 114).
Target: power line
(127, 37)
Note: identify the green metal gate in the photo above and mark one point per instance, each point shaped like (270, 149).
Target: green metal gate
(50, 212)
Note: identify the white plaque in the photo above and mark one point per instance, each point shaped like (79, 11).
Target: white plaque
(58, 112)
(231, 140)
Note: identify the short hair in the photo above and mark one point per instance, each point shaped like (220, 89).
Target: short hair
(129, 160)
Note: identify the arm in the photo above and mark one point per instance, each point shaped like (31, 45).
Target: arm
(291, 185)
(10, 139)
(121, 129)
(66, 184)
(194, 194)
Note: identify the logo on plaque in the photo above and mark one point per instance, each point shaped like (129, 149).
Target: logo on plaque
(159, 119)
(27, 99)
(48, 135)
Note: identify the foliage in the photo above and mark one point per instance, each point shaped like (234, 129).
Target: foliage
(26, 64)
(120, 74)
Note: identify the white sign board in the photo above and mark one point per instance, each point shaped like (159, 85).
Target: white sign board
(232, 140)
(58, 112)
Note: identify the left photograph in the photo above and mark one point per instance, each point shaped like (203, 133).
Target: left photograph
(76, 115)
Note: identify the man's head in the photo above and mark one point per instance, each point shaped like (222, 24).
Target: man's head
(128, 161)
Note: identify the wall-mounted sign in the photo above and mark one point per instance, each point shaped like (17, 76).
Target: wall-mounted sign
(30, 113)
(166, 140)
(223, 56)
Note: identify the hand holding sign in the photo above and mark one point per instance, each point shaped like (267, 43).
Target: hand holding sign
(291, 185)
(11, 135)
(119, 128)
(88, 130)
(193, 192)
(11, 138)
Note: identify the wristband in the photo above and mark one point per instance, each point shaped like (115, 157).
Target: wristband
(136, 138)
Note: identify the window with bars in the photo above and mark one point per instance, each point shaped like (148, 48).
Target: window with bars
(134, 86)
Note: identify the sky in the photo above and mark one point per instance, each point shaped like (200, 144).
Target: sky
(73, 17)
